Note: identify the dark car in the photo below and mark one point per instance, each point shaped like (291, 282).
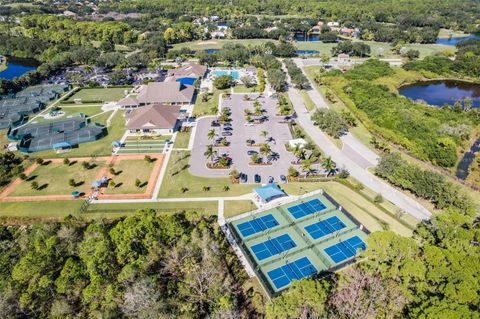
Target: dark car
(228, 128)
(251, 152)
(226, 133)
(258, 178)
(283, 178)
(243, 178)
(270, 179)
(227, 124)
(215, 124)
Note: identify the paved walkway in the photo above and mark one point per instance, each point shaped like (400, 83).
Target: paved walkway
(343, 159)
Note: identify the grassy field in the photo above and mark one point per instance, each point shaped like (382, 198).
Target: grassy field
(182, 139)
(177, 176)
(72, 111)
(236, 207)
(323, 48)
(98, 148)
(99, 94)
(218, 44)
(53, 179)
(126, 172)
(244, 89)
(206, 108)
(307, 100)
(57, 210)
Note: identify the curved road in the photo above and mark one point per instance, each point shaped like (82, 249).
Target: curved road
(344, 158)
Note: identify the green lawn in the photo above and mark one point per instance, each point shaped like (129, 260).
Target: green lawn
(99, 94)
(53, 179)
(177, 176)
(236, 207)
(372, 216)
(307, 100)
(126, 172)
(218, 44)
(206, 108)
(72, 111)
(244, 89)
(182, 139)
(102, 147)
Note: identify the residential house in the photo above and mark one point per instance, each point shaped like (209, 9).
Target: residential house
(153, 119)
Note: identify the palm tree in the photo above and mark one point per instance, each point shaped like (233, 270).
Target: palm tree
(210, 153)
(258, 108)
(300, 153)
(223, 161)
(329, 165)
(266, 150)
(234, 173)
(211, 134)
(254, 158)
(307, 167)
(264, 134)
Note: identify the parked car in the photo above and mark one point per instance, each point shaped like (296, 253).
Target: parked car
(251, 152)
(227, 124)
(250, 141)
(248, 124)
(270, 179)
(228, 128)
(243, 178)
(226, 133)
(283, 178)
(215, 124)
(258, 178)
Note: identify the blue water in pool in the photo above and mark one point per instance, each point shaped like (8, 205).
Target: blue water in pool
(234, 74)
(455, 40)
(14, 70)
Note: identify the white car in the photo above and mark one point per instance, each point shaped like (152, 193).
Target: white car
(248, 124)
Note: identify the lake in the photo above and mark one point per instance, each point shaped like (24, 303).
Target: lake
(454, 40)
(439, 93)
(17, 67)
(309, 37)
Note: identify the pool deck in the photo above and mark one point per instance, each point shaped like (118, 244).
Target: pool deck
(271, 263)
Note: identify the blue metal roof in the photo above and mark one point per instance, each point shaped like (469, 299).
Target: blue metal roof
(269, 192)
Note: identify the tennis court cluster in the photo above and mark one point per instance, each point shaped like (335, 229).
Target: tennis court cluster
(56, 135)
(298, 240)
(15, 109)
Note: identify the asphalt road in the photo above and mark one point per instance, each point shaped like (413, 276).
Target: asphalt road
(344, 159)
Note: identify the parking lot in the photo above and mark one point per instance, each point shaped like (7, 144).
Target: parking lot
(278, 136)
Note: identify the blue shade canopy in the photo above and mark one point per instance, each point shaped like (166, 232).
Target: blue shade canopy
(269, 192)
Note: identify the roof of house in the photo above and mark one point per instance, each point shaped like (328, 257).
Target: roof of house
(127, 101)
(166, 92)
(269, 192)
(155, 116)
(190, 69)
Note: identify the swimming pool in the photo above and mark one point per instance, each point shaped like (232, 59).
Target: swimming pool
(234, 74)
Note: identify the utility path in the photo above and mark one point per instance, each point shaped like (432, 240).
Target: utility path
(345, 159)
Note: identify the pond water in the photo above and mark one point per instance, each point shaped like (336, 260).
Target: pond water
(454, 40)
(307, 52)
(439, 93)
(309, 37)
(18, 67)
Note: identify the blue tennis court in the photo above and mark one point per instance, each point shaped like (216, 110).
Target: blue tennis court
(273, 246)
(257, 225)
(298, 269)
(307, 208)
(345, 249)
(325, 227)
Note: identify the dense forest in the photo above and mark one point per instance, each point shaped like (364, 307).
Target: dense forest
(142, 266)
